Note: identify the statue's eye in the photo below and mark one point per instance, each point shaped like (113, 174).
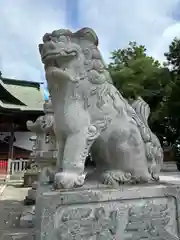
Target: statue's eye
(54, 39)
(63, 39)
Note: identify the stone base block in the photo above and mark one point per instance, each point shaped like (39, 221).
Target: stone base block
(34, 185)
(32, 194)
(27, 218)
(29, 202)
(30, 177)
(27, 221)
(150, 212)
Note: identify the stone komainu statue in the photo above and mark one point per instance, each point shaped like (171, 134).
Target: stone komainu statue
(91, 115)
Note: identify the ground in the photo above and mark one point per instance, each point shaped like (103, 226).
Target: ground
(11, 207)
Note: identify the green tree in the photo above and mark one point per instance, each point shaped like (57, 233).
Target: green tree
(173, 56)
(173, 103)
(136, 74)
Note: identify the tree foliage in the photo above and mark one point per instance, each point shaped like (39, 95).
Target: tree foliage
(173, 55)
(136, 74)
(173, 104)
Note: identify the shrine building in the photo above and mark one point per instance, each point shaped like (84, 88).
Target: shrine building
(20, 101)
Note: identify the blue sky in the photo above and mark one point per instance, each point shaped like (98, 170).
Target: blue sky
(72, 10)
(153, 23)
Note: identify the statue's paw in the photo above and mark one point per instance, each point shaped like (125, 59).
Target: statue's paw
(155, 176)
(68, 180)
(140, 179)
(115, 177)
(155, 172)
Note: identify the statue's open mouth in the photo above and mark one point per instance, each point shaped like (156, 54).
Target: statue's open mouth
(58, 59)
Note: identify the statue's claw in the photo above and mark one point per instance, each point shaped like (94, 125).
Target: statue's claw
(115, 177)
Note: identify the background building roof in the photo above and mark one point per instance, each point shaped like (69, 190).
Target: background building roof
(21, 95)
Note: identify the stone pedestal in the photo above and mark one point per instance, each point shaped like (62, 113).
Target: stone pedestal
(32, 194)
(30, 199)
(30, 177)
(129, 213)
(27, 219)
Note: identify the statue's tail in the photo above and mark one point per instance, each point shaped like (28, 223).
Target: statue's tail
(154, 151)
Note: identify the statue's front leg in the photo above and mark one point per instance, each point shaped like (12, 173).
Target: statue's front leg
(60, 151)
(76, 149)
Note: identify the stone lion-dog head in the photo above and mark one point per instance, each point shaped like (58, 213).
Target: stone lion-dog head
(73, 56)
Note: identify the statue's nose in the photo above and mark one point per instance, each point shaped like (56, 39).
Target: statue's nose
(43, 48)
(50, 45)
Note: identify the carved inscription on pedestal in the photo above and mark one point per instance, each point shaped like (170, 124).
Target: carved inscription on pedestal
(131, 219)
(149, 222)
(87, 224)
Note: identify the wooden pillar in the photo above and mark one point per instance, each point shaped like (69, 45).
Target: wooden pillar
(10, 153)
(11, 143)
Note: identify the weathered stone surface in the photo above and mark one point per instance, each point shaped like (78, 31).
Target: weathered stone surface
(44, 150)
(27, 219)
(30, 177)
(29, 201)
(11, 212)
(32, 194)
(11, 208)
(149, 212)
(18, 234)
(35, 185)
(91, 115)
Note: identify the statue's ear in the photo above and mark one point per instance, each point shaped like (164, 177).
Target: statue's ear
(87, 34)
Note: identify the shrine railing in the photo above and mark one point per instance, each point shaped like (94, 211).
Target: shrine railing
(16, 166)
(10, 169)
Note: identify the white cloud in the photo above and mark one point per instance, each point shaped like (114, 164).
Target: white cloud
(149, 22)
(23, 23)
